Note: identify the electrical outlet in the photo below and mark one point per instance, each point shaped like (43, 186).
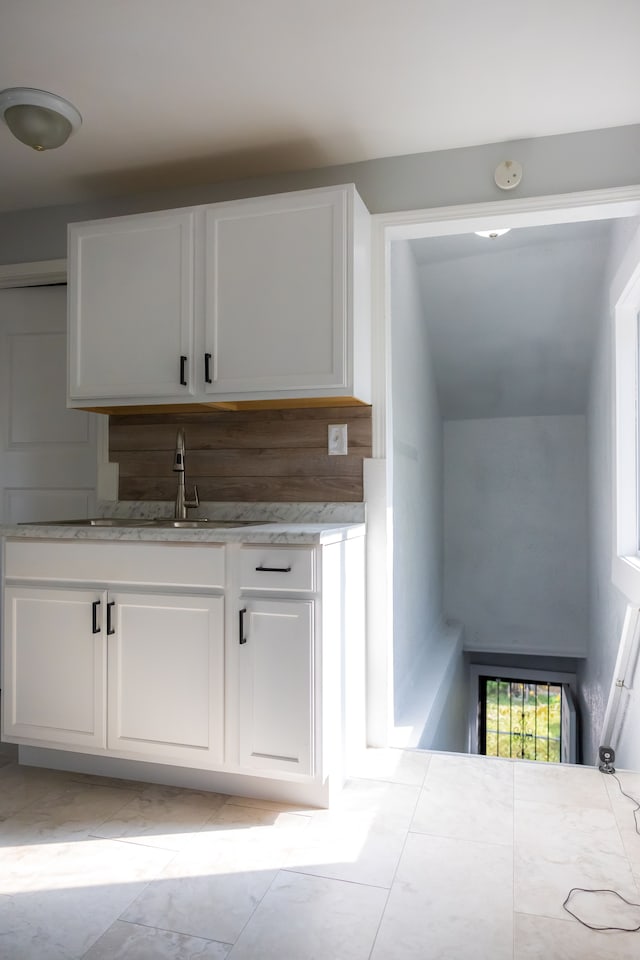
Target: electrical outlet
(337, 439)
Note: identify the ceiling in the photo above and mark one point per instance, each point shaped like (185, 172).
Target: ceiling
(177, 92)
(512, 322)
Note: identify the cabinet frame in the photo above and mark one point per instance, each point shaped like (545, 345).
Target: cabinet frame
(348, 331)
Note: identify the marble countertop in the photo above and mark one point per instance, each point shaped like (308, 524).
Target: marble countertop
(274, 523)
(266, 532)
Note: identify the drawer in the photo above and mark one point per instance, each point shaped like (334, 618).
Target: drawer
(166, 564)
(286, 569)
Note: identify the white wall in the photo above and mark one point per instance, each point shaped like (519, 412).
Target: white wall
(590, 160)
(607, 605)
(515, 533)
(422, 645)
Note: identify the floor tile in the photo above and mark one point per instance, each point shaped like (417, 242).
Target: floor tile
(312, 918)
(565, 785)
(541, 885)
(361, 838)
(65, 811)
(356, 850)
(451, 900)
(562, 833)
(395, 766)
(541, 937)
(391, 803)
(57, 904)
(211, 888)
(623, 809)
(162, 816)
(559, 847)
(129, 941)
(201, 899)
(467, 797)
(20, 786)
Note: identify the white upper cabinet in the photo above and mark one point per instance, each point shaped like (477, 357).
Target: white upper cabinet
(131, 315)
(260, 299)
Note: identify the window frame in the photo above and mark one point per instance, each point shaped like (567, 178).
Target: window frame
(625, 572)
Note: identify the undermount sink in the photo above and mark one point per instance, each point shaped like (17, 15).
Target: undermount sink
(159, 522)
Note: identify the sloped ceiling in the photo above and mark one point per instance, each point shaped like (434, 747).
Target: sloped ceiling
(512, 321)
(181, 92)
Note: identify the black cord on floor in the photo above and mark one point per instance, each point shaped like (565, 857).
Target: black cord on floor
(633, 800)
(615, 893)
(596, 892)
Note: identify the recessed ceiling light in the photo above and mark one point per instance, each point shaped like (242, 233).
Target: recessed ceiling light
(492, 234)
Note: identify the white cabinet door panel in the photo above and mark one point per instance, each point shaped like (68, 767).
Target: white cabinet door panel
(276, 684)
(276, 293)
(131, 307)
(54, 667)
(166, 677)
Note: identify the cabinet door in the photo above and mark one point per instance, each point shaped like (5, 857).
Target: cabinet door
(276, 293)
(54, 667)
(276, 685)
(166, 682)
(131, 307)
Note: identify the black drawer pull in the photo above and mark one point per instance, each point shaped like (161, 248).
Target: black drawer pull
(183, 375)
(94, 617)
(242, 638)
(207, 368)
(110, 629)
(262, 569)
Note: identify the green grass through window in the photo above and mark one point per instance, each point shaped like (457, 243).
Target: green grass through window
(521, 719)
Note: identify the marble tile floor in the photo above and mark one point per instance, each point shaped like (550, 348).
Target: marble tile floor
(424, 857)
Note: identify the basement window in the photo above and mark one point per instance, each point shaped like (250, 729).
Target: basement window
(520, 719)
(522, 714)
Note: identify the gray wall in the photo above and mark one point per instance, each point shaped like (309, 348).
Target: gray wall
(560, 164)
(421, 644)
(515, 533)
(607, 605)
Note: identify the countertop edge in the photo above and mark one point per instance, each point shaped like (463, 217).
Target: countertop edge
(292, 533)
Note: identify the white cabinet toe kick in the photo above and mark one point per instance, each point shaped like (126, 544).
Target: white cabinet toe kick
(236, 667)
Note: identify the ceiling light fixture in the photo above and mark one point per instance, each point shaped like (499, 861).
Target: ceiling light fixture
(41, 120)
(492, 234)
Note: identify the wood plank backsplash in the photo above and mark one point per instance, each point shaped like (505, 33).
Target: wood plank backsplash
(244, 455)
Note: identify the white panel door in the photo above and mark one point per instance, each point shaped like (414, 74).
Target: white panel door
(276, 685)
(131, 307)
(276, 293)
(166, 677)
(47, 453)
(54, 648)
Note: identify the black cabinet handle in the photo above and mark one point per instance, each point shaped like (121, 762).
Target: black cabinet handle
(207, 368)
(242, 638)
(262, 569)
(94, 617)
(110, 628)
(183, 376)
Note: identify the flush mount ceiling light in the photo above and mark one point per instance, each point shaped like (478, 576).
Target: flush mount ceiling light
(492, 234)
(41, 120)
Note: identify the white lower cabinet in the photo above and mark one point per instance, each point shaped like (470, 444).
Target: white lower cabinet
(243, 661)
(166, 678)
(54, 667)
(275, 709)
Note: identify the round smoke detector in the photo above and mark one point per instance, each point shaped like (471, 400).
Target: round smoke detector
(508, 174)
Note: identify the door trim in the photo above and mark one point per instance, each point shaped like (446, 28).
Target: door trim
(35, 274)
(610, 202)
